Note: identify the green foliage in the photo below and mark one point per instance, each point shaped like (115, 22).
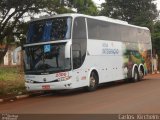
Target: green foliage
(11, 81)
(84, 6)
(138, 12)
(156, 37)
(8, 74)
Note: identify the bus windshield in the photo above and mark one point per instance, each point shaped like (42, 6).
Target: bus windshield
(49, 29)
(48, 58)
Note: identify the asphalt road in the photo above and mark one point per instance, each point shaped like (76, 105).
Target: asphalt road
(119, 97)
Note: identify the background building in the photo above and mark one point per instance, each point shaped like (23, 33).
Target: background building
(8, 58)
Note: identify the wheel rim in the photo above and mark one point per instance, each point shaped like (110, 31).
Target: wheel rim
(141, 74)
(92, 82)
(136, 76)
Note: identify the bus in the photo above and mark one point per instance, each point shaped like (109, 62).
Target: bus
(69, 51)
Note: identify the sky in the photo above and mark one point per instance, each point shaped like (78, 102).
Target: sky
(158, 4)
(98, 2)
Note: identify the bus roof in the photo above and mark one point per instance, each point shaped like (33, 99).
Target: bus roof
(102, 18)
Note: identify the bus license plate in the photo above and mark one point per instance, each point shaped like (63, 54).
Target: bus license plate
(46, 87)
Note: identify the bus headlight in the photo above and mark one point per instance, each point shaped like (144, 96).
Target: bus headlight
(64, 78)
(29, 81)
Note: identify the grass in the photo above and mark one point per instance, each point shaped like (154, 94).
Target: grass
(8, 74)
(11, 81)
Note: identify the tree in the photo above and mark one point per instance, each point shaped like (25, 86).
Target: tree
(138, 12)
(156, 37)
(84, 6)
(75, 6)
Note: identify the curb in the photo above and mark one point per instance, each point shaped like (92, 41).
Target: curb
(18, 97)
(21, 96)
(11, 99)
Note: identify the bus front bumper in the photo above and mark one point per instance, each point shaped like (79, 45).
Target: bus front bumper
(49, 86)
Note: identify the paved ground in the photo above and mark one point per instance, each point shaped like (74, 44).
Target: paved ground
(140, 97)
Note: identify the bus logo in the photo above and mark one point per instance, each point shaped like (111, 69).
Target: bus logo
(62, 74)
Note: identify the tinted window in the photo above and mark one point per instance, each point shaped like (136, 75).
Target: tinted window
(143, 36)
(103, 30)
(79, 28)
(79, 44)
(50, 29)
(46, 58)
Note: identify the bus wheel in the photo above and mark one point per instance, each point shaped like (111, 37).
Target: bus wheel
(141, 74)
(93, 84)
(136, 75)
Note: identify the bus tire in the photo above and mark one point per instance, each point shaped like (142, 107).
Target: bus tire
(135, 76)
(141, 73)
(93, 82)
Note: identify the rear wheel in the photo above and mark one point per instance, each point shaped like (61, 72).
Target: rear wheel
(93, 82)
(136, 75)
(141, 74)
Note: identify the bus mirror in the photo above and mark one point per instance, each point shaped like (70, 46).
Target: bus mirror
(67, 50)
(15, 54)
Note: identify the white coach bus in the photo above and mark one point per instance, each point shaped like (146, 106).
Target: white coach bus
(73, 50)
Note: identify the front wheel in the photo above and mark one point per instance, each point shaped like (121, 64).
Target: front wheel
(93, 82)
